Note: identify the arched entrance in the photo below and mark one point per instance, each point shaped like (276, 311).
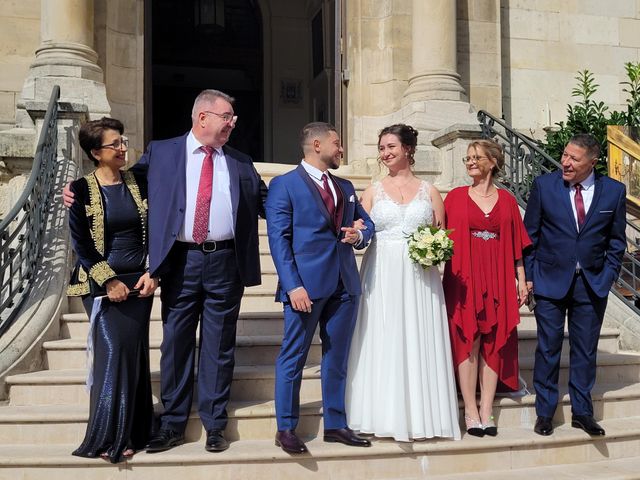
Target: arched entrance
(275, 57)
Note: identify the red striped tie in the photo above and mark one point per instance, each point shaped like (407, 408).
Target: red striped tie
(203, 200)
(579, 205)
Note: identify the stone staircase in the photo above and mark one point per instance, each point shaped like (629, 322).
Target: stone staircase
(45, 418)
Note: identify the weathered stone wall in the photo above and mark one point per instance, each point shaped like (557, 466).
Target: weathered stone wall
(378, 47)
(547, 41)
(119, 42)
(19, 38)
(479, 53)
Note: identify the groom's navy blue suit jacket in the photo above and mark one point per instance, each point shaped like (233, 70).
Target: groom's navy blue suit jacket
(558, 245)
(303, 241)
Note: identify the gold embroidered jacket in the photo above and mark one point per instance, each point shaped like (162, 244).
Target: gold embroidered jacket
(86, 221)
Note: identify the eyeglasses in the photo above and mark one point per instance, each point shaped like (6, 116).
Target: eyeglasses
(474, 159)
(118, 144)
(226, 117)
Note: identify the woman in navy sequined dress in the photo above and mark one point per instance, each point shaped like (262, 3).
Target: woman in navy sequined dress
(108, 229)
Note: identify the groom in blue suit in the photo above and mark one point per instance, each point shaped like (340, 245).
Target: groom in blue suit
(310, 223)
(576, 220)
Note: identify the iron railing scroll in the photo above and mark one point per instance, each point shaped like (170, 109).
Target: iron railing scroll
(23, 228)
(525, 160)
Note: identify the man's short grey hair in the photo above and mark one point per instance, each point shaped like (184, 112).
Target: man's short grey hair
(314, 130)
(208, 96)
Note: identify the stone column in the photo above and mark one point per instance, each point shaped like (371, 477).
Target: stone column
(434, 59)
(66, 57)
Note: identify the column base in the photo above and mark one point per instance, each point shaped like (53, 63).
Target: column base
(434, 85)
(78, 85)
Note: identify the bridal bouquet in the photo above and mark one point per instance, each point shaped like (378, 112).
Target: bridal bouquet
(429, 246)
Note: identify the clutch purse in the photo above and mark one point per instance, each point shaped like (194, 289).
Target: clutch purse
(129, 279)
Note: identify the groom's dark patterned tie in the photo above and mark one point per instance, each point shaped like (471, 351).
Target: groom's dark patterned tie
(327, 197)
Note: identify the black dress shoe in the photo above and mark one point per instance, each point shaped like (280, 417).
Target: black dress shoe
(216, 441)
(587, 423)
(163, 440)
(543, 426)
(289, 442)
(346, 436)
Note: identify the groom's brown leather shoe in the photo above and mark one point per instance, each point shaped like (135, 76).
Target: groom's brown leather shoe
(346, 436)
(289, 442)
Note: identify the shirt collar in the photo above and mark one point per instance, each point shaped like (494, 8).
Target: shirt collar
(588, 182)
(313, 171)
(193, 145)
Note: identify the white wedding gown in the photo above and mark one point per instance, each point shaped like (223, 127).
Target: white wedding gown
(400, 377)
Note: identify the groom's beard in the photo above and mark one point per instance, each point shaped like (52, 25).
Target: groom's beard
(332, 162)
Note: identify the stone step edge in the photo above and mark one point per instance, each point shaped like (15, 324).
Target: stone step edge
(262, 409)
(154, 343)
(509, 439)
(526, 363)
(310, 371)
(612, 469)
(74, 343)
(266, 315)
(78, 375)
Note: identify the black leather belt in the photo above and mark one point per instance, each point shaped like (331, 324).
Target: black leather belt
(211, 245)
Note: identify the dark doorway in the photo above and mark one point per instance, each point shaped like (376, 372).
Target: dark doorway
(200, 44)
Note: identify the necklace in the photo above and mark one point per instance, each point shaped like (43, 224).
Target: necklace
(483, 196)
(400, 187)
(105, 183)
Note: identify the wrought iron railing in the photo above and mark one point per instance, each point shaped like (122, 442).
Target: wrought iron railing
(525, 160)
(23, 228)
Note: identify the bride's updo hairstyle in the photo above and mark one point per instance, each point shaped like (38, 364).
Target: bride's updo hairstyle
(407, 135)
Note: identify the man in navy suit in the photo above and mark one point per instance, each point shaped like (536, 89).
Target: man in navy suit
(203, 264)
(310, 223)
(576, 220)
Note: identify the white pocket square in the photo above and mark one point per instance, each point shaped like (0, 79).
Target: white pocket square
(606, 211)
(352, 199)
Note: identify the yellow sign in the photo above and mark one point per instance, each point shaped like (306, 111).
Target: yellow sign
(624, 160)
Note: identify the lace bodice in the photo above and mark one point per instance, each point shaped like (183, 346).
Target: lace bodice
(393, 220)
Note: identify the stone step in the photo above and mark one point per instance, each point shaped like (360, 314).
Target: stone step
(76, 325)
(618, 469)
(251, 321)
(70, 353)
(58, 387)
(256, 382)
(513, 448)
(49, 424)
(262, 349)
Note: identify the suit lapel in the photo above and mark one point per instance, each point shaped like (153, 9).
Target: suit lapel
(564, 190)
(597, 190)
(343, 210)
(315, 194)
(234, 182)
(181, 167)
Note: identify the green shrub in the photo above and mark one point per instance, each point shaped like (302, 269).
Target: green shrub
(589, 116)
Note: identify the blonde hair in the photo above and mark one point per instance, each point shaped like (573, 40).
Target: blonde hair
(493, 150)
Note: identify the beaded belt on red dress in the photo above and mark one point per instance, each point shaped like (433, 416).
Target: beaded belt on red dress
(484, 234)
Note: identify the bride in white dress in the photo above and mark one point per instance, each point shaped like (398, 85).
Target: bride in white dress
(400, 376)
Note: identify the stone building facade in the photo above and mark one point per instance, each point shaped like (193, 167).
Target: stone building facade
(360, 64)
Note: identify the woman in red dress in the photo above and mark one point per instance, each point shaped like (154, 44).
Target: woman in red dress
(480, 289)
